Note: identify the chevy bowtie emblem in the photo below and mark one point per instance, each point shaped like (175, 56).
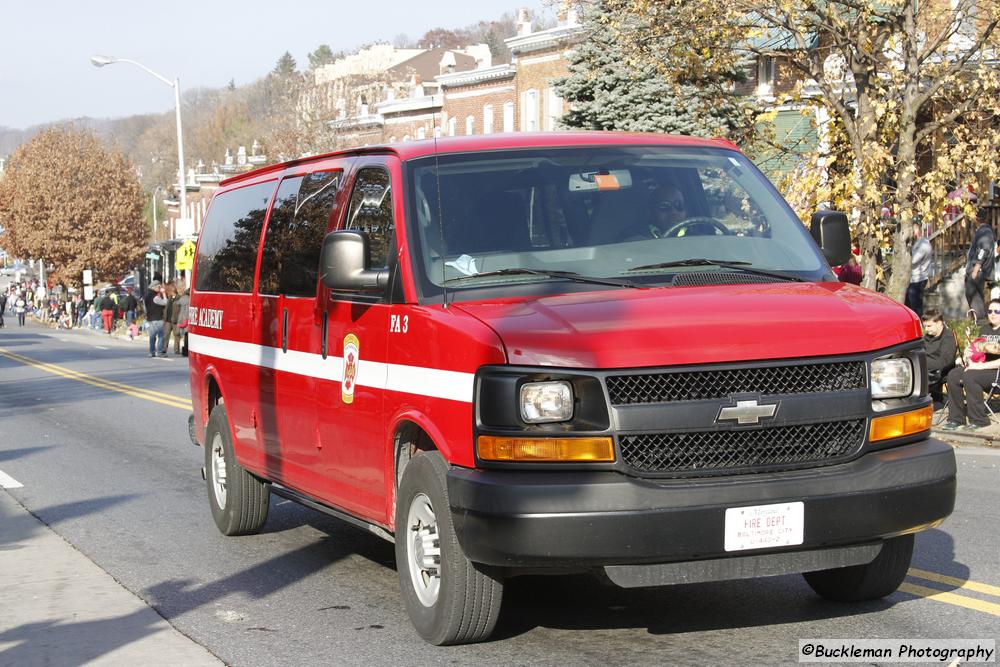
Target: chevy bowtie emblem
(747, 412)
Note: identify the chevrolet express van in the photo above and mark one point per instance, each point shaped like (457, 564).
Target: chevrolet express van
(560, 352)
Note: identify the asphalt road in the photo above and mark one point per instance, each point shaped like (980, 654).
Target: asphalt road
(110, 469)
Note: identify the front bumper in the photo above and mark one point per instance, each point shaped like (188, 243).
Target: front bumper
(571, 519)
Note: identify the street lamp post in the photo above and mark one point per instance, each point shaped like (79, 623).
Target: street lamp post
(101, 61)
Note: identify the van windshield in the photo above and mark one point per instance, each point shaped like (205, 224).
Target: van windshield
(638, 216)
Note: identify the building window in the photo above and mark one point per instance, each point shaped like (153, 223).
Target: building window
(553, 109)
(470, 124)
(765, 76)
(421, 133)
(529, 119)
(437, 132)
(452, 126)
(508, 117)
(488, 119)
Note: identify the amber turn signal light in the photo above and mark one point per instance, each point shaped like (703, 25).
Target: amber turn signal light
(904, 423)
(546, 450)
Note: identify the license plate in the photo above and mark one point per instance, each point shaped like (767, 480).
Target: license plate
(764, 526)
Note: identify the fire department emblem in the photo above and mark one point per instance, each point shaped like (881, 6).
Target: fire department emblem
(351, 355)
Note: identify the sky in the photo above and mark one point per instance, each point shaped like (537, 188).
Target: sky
(45, 46)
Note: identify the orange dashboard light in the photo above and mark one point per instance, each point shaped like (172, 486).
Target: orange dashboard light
(546, 450)
(904, 423)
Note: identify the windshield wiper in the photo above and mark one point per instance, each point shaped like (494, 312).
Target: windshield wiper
(568, 275)
(746, 267)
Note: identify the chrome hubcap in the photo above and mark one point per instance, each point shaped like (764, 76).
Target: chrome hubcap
(219, 471)
(424, 550)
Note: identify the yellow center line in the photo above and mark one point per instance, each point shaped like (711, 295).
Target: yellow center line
(954, 581)
(136, 392)
(950, 598)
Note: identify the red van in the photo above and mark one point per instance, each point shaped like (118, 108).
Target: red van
(559, 352)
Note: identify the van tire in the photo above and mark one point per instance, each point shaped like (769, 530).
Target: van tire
(463, 606)
(870, 581)
(239, 500)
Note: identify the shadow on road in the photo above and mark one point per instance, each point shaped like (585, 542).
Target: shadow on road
(11, 454)
(89, 639)
(15, 531)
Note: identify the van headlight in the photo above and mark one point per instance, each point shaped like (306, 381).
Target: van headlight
(892, 378)
(546, 402)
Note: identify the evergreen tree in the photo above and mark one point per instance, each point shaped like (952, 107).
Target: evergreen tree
(285, 65)
(604, 91)
(323, 55)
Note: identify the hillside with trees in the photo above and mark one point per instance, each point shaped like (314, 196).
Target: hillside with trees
(268, 110)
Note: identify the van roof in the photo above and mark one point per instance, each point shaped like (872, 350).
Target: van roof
(416, 149)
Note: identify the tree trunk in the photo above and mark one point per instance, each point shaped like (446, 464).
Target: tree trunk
(906, 158)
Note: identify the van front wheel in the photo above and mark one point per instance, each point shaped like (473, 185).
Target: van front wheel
(239, 501)
(450, 600)
(870, 581)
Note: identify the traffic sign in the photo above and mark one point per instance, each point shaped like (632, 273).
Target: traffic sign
(185, 256)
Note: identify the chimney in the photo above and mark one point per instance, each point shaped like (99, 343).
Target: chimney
(447, 63)
(523, 22)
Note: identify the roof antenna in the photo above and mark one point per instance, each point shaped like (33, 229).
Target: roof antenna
(437, 178)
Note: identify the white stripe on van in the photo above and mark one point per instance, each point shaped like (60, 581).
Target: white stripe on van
(433, 382)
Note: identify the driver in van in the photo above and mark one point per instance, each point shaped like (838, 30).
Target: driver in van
(667, 208)
(667, 204)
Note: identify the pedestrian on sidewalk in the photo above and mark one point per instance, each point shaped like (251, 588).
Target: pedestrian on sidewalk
(979, 263)
(128, 305)
(920, 270)
(968, 384)
(170, 317)
(183, 310)
(941, 350)
(155, 301)
(107, 312)
(3, 306)
(20, 308)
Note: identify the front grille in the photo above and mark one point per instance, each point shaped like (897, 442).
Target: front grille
(716, 384)
(709, 452)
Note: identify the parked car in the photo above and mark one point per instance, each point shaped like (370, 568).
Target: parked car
(547, 353)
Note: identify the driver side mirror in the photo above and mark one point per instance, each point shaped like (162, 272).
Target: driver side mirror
(832, 234)
(345, 262)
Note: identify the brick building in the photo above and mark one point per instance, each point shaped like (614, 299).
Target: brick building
(402, 100)
(540, 57)
(481, 101)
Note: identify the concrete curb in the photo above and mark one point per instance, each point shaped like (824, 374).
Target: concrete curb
(57, 607)
(966, 438)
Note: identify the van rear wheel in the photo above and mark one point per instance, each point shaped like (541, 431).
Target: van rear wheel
(450, 600)
(239, 500)
(870, 581)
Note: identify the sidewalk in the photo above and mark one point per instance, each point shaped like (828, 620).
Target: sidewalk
(58, 608)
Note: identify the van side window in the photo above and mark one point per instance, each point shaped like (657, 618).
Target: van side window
(371, 212)
(294, 237)
(227, 254)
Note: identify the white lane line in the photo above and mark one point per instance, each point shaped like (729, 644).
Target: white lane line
(100, 347)
(8, 482)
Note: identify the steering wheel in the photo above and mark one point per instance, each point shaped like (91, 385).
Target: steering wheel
(701, 225)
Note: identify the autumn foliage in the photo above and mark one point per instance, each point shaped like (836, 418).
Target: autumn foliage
(905, 97)
(69, 200)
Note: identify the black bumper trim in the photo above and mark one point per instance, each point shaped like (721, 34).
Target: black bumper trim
(741, 567)
(566, 519)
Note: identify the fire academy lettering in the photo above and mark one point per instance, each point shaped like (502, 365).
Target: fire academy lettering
(210, 318)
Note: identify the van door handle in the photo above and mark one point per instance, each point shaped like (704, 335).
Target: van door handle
(326, 319)
(284, 331)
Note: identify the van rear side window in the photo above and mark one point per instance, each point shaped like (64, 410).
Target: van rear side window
(227, 254)
(301, 215)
